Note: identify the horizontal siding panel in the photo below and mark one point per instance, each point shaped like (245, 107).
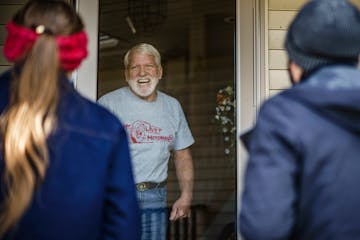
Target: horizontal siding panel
(7, 11)
(279, 79)
(3, 68)
(280, 19)
(356, 2)
(3, 60)
(278, 59)
(274, 92)
(277, 39)
(295, 5)
(286, 4)
(2, 34)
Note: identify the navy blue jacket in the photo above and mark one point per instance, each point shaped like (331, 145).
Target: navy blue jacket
(303, 173)
(88, 192)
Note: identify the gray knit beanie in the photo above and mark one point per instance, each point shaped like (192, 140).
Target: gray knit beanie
(324, 32)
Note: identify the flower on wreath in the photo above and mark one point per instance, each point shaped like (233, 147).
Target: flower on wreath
(225, 117)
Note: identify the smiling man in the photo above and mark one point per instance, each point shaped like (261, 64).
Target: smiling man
(156, 126)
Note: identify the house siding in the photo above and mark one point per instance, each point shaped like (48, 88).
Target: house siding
(7, 10)
(280, 14)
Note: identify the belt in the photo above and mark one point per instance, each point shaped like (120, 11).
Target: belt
(143, 186)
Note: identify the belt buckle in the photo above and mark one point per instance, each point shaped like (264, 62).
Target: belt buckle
(142, 186)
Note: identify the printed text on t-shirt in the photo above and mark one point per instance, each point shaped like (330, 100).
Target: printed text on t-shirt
(144, 132)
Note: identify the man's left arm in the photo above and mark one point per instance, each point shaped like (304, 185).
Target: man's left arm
(185, 173)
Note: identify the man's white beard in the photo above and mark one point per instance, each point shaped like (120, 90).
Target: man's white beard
(146, 90)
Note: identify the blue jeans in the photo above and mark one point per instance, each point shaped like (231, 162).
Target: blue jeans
(153, 213)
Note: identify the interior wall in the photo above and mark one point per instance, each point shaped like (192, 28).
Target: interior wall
(195, 80)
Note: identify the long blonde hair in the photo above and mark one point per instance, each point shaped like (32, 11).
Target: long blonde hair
(32, 112)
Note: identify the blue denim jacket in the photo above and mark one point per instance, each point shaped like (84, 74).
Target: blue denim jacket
(88, 192)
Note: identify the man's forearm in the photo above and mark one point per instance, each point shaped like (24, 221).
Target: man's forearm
(185, 172)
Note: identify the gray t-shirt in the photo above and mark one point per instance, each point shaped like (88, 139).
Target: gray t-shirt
(154, 129)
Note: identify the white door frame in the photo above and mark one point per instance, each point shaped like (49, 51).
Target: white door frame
(250, 74)
(86, 76)
(244, 84)
(250, 65)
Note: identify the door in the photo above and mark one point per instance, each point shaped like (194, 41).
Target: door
(208, 55)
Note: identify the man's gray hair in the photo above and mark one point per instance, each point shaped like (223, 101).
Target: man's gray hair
(143, 48)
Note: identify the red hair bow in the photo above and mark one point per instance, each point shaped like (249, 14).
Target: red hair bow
(72, 48)
(18, 42)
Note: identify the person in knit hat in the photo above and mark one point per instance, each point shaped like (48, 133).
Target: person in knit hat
(325, 32)
(303, 170)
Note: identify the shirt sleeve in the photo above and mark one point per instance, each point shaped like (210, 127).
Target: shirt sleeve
(104, 102)
(121, 211)
(269, 197)
(183, 138)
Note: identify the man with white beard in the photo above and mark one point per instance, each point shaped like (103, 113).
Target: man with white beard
(156, 127)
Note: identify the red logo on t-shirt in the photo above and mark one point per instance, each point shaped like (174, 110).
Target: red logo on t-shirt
(144, 132)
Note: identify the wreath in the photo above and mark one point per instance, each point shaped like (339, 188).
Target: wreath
(225, 117)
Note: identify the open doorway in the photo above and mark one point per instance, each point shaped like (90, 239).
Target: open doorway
(196, 41)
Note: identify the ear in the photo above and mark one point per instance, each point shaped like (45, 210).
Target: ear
(160, 72)
(296, 71)
(126, 74)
